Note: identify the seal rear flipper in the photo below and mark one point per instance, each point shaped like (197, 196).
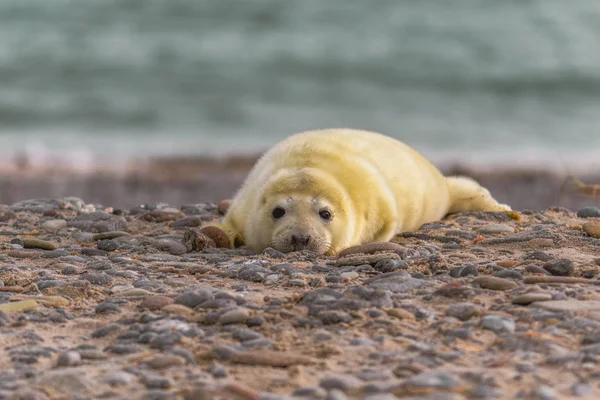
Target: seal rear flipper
(468, 195)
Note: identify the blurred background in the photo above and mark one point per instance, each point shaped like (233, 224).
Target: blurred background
(123, 102)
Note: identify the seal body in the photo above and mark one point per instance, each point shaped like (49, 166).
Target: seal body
(331, 189)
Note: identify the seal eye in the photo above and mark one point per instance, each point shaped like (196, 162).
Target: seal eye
(325, 215)
(278, 212)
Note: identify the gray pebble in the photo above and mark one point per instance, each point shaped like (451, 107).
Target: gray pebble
(218, 371)
(464, 311)
(68, 359)
(542, 393)
(98, 221)
(124, 348)
(582, 389)
(560, 267)
(119, 378)
(336, 394)
(97, 279)
(589, 212)
(498, 324)
(194, 298)
(253, 273)
(107, 306)
(334, 316)
(509, 274)
(344, 383)
(435, 379)
(154, 381)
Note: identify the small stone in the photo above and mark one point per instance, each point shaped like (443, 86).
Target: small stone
(390, 265)
(495, 229)
(218, 371)
(109, 235)
(69, 359)
(582, 389)
(592, 229)
(105, 330)
(219, 237)
(370, 248)
(97, 279)
(171, 247)
(18, 306)
(334, 316)
(542, 393)
(162, 361)
(107, 245)
(464, 311)
(345, 383)
(194, 298)
(336, 394)
(509, 274)
(236, 316)
(98, 221)
(349, 275)
(29, 243)
(560, 267)
(494, 283)
(589, 212)
(438, 380)
(155, 381)
(119, 378)
(528, 298)
(223, 206)
(498, 324)
(538, 255)
(54, 225)
(153, 303)
(570, 305)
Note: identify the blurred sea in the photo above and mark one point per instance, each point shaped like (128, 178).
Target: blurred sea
(481, 82)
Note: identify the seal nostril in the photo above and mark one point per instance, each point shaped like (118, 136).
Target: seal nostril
(300, 240)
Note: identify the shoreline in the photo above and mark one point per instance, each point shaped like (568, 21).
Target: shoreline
(181, 180)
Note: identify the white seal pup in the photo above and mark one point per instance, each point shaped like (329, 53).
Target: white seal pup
(328, 190)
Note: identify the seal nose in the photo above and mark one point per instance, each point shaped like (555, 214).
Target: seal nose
(300, 240)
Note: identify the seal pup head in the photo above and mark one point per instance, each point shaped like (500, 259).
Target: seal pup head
(302, 209)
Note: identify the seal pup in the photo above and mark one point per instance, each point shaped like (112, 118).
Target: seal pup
(327, 190)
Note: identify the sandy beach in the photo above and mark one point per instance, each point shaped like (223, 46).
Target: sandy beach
(115, 303)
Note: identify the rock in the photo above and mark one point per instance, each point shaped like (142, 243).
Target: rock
(42, 205)
(389, 265)
(498, 324)
(153, 303)
(7, 215)
(171, 247)
(236, 316)
(194, 298)
(370, 248)
(107, 245)
(69, 359)
(119, 378)
(195, 240)
(589, 212)
(30, 243)
(495, 229)
(429, 381)
(109, 235)
(592, 229)
(18, 306)
(54, 225)
(570, 305)
(528, 298)
(494, 283)
(560, 267)
(162, 361)
(345, 383)
(97, 279)
(334, 316)
(538, 255)
(271, 358)
(223, 206)
(98, 221)
(464, 311)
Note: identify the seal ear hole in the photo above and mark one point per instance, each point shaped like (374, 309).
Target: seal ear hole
(237, 241)
(278, 212)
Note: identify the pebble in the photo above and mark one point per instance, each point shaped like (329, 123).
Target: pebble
(109, 235)
(163, 361)
(30, 243)
(498, 324)
(97, 279)
(592, 229)
(54, 225)
(69, 359)
(560, 267)
(528, 298)
(18, 306)
(98, 221)
(495, 229)
(236, 316)
(439, 380)
(153, 303)
(589, 212)
(42, 205)
(570, 305)
(345, 383)
(464, 311)
(495, 283)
